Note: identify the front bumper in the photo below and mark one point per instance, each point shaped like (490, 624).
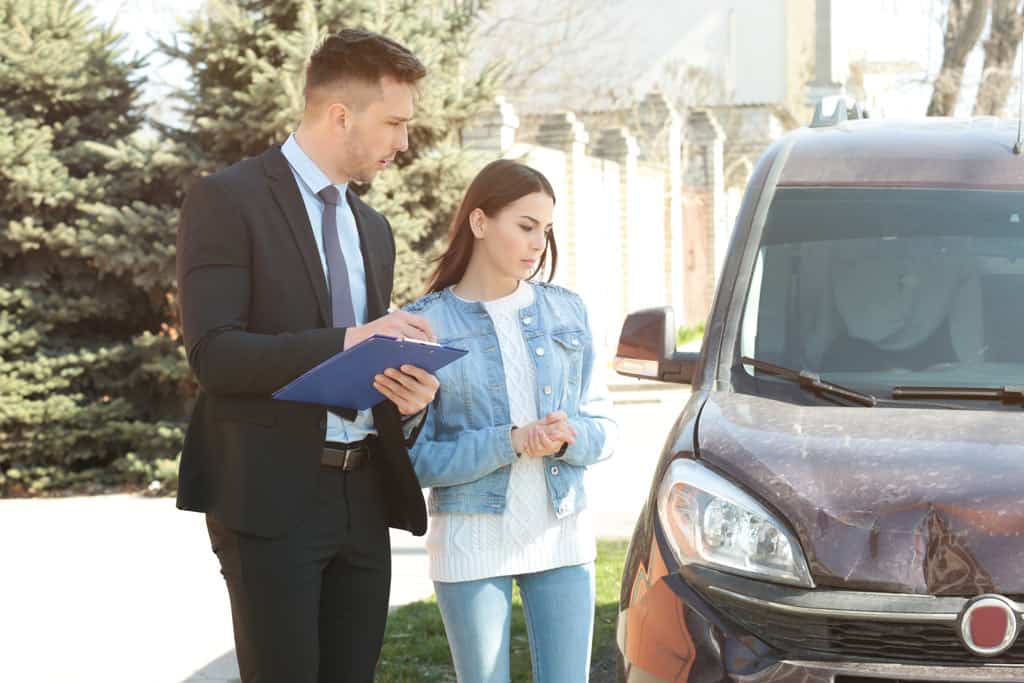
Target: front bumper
(697, 625)
(833, 672)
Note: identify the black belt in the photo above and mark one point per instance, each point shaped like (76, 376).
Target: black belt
(347, 456)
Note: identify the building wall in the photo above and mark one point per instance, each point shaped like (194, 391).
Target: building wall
(799, 45)
(599, 247)
(600, 55)
(760, 50)
(697, 262)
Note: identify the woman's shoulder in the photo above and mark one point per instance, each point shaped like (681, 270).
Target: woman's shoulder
(559, 294)
(424, 304)
(558, 291)
(437, 310)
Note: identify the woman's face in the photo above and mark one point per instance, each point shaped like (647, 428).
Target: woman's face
(512, 241)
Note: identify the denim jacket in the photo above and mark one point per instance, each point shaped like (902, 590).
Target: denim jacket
(464, 453)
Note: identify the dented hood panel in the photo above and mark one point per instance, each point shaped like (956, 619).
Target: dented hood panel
(889, 499)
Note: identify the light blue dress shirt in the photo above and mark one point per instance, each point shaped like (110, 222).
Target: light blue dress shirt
(311, 180)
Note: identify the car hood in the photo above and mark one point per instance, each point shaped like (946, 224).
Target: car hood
(910, 500)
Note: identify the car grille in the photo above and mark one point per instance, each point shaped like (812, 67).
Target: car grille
(803, 634)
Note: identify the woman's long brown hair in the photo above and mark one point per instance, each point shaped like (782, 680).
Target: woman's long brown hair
(496, 186)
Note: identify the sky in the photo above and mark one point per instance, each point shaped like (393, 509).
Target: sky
(903, 31)
(876, 30)
(144, 22)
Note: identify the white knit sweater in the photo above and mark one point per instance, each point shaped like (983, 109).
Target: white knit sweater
(527, 537)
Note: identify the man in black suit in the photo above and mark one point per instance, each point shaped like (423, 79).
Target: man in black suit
(280, 266)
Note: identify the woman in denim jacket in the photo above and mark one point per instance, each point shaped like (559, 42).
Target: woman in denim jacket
(507, 440)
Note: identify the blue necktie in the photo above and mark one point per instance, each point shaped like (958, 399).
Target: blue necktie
(342, 312)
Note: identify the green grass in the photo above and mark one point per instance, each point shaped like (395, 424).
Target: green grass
(415, 648)
(689, 333)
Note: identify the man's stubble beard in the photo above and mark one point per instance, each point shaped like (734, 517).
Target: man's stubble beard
(363, 175)
(357, 172)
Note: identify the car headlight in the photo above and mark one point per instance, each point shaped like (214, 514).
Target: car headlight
(711, 522)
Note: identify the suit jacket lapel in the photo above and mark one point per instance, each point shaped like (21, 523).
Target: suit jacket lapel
(369, 244)
(286, 194)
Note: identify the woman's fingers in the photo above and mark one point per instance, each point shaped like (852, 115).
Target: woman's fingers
(537, 442)
(540, 439)
(560, 436)
(559, 418)
(564, 431)
(545, 438)
(540, 442)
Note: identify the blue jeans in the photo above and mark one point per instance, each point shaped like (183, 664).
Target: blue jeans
(559, 609)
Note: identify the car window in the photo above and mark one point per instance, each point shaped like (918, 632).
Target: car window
(885, 287)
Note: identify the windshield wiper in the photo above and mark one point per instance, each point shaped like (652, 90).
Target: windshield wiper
(1007, 394)
(811, 381)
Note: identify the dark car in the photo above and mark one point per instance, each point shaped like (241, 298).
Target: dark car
(842, 497)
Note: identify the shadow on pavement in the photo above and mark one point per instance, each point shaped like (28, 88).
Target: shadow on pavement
(224, 669)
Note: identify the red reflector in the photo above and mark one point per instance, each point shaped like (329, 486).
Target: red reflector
(988, 626)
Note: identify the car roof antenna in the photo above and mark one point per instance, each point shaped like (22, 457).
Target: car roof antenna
(1018, 146)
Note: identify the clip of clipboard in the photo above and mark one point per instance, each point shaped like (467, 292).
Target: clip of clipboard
(345, 380)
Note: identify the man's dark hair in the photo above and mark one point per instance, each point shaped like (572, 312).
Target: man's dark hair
(361, 55)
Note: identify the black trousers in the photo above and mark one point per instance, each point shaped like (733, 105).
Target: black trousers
(310, 606)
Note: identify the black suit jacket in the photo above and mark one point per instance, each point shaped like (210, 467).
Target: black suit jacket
(256, 314)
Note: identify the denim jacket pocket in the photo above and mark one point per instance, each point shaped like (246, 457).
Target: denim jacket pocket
(570, 344)
(452, 398)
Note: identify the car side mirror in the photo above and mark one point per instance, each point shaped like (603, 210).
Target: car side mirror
(647, 348)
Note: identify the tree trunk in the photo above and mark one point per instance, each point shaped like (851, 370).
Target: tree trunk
(1000, 54)
(964, 22)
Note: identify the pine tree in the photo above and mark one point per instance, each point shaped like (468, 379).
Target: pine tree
(247, 59)
(91, 377)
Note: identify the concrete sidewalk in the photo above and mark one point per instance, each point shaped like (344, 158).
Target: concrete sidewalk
(123, 588)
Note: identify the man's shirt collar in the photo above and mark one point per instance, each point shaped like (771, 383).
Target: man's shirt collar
(307, 170)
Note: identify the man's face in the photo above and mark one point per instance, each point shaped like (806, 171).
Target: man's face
(378, 130)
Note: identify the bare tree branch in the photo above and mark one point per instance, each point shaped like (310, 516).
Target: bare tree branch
(547, 45)
(965, 20)
(1000, 54)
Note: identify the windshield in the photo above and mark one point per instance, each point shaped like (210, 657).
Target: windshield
(876, 288)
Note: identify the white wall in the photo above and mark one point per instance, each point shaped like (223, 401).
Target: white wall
(647, 241)
(599, 248)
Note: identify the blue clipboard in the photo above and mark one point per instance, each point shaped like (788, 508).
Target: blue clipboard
(345, 380)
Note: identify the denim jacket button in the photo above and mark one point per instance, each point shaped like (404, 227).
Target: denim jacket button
(554, 470)
(547, 391)
(527, 320)
(540, 351)
(575, 341)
